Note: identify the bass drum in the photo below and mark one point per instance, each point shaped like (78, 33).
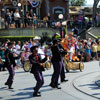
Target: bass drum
(27, 66)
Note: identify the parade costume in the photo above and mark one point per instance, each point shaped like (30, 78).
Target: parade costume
(37, 69)
(57, 65)
(63, 52)
(10, 64)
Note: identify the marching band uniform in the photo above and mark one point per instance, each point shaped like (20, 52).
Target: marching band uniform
(63, 52)
(37, 69)
(10, 64)
(57, 65)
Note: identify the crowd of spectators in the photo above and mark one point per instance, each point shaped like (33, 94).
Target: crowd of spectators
(85, 50)
(19, 20)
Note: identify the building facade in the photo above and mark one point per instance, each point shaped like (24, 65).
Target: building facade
(40, 7)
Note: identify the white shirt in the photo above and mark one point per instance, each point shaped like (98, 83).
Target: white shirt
(16, 15)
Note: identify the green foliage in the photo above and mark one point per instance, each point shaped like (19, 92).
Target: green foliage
(16, 38)
(77, 2)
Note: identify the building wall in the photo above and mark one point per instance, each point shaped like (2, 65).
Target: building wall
(58, 4)
(49, 6)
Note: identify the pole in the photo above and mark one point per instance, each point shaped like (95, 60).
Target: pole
(32, 30)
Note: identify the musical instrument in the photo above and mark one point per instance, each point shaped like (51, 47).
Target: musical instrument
(74, 66)
(47, 65)
(27, 66)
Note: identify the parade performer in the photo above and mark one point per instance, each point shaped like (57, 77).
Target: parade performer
(10, 64)
(57, 64)
(37, 68)
(69, 45)
(63, 52)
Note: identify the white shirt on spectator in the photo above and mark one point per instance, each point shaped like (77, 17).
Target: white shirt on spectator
(16, 15)
(18, 47)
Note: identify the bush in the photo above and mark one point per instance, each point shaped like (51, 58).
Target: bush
(16, 38)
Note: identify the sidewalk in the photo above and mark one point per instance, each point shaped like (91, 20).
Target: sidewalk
(89, 84)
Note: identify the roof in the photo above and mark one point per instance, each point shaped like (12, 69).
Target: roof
(74, 10)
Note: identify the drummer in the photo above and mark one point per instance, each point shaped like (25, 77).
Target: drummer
(37, 68)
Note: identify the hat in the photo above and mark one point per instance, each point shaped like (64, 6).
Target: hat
(9, 43)
(55, 41)
(37, 38)
(32, 48)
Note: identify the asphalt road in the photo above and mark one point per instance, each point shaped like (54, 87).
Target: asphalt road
(81, 85)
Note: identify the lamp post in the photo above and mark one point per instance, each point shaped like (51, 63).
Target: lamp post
(60, 16)
(19, 4)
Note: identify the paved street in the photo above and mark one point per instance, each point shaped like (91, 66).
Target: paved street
(81, 85)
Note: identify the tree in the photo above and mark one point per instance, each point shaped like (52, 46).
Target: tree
(95, 8)
(76, 2)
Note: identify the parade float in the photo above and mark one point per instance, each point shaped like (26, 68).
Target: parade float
(72, 62)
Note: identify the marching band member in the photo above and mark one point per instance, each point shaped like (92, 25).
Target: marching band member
(37, 69)
(63, 52)
(10, 64)
(57, 64)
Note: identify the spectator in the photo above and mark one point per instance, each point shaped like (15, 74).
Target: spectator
(7, 19)
(35, 21)
(75, 31)
(17, 19)
(94, 50)
(49, 19)
(87, 52)
(31, 17)
(27, 19)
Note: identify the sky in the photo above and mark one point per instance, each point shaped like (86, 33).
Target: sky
(89, 2)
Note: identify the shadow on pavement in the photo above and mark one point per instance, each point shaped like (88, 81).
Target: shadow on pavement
(96, 94)
(92, 86)
(73, 71)
(27, 95)
(47, 75)
(2, 88)
(22, 95)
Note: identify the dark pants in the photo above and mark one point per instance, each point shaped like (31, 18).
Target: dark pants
(39, 78)
(57, 71)
(17, 23)
(62, 72)
(11, 75)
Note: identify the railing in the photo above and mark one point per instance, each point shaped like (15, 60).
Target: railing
(43, 24)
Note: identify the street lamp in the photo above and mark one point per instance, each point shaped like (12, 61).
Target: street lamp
(60, 16)
(19, 4)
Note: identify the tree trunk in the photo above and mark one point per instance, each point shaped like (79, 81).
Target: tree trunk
(95, 8)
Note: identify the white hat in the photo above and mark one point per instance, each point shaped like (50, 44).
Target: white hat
(37, 38)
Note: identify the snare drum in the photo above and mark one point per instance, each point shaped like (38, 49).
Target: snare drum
(27, 66)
